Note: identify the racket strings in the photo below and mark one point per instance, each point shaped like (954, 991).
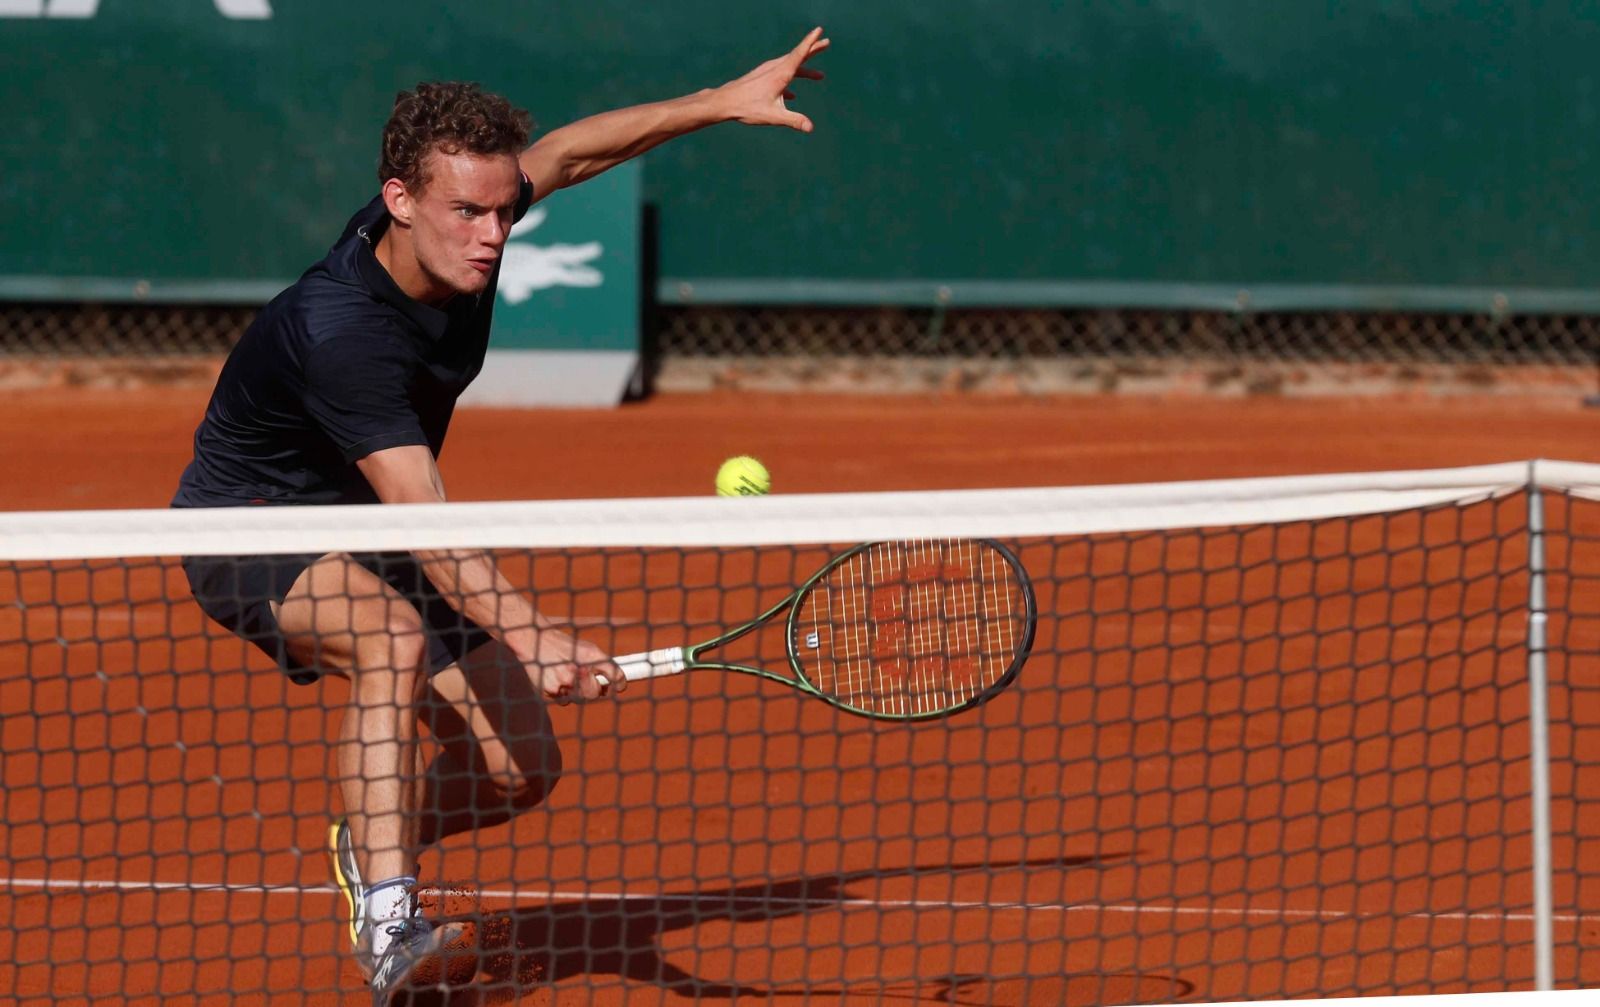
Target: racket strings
(912, 628)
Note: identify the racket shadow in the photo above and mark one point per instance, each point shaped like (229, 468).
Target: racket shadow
(503, 957)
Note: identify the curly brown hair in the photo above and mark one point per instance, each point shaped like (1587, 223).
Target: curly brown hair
(451, 117)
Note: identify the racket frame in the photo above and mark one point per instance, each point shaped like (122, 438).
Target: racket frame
(674, 660)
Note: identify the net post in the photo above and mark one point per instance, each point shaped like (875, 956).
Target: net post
(1539, 740)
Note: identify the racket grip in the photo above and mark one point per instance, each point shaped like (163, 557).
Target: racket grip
(652, 663)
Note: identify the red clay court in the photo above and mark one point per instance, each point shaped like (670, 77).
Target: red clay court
(1187, 795)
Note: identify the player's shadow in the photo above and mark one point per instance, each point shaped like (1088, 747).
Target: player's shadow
(504, 956)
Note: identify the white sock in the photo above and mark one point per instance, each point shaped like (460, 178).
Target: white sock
(387, 901)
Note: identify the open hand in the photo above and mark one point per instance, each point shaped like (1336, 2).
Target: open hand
(757, 98)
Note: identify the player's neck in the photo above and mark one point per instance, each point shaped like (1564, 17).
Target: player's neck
(395, 254)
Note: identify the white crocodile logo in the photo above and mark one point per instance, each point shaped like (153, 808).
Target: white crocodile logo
(526, 267)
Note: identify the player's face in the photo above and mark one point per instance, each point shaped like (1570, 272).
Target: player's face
(462, 217)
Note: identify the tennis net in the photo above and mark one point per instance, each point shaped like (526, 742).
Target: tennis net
(1322, 736)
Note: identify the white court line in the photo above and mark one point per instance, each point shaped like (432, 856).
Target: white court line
(554, 894)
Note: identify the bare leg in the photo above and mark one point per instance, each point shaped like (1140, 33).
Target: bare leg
(341, 617)
(499, 756)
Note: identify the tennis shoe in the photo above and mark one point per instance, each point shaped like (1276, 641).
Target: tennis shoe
(342, 851)
(411, 958)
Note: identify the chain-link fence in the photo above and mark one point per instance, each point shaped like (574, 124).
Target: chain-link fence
(1126, 350)
(909, 349)
(120, 330)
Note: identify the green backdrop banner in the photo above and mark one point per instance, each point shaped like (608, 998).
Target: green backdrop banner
(1376, 152)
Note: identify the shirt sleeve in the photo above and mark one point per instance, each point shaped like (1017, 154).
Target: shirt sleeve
(357, 392)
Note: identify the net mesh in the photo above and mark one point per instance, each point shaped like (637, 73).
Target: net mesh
(1279, 757)
(881, 349)
(1574, 584)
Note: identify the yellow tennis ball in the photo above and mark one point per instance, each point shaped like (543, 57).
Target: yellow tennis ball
(743, 477)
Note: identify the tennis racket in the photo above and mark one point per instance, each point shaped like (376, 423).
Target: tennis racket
(890, 630)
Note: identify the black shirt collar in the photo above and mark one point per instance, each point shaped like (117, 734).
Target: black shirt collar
(431, 321)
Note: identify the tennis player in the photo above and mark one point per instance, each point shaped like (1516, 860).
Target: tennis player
(340, 393)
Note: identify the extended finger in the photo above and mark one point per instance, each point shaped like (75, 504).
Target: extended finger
(804, 49)
(808, 73)
(816, 47)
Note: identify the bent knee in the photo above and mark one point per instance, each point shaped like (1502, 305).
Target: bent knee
(528, 781)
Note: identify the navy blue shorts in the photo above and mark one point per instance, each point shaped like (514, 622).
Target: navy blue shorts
(239, 592)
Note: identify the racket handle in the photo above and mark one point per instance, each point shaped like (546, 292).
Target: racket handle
(652, 663)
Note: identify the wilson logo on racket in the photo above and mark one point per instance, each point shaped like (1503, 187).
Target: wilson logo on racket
(891, 630)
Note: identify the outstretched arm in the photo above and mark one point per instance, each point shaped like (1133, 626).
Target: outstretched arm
(584, 149)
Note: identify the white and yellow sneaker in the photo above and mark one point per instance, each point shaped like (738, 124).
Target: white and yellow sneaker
(348, 876)
(411, 958)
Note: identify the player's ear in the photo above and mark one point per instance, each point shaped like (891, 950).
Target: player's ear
(398, 201)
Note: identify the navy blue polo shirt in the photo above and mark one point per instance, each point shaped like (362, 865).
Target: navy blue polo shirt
(340, 365)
